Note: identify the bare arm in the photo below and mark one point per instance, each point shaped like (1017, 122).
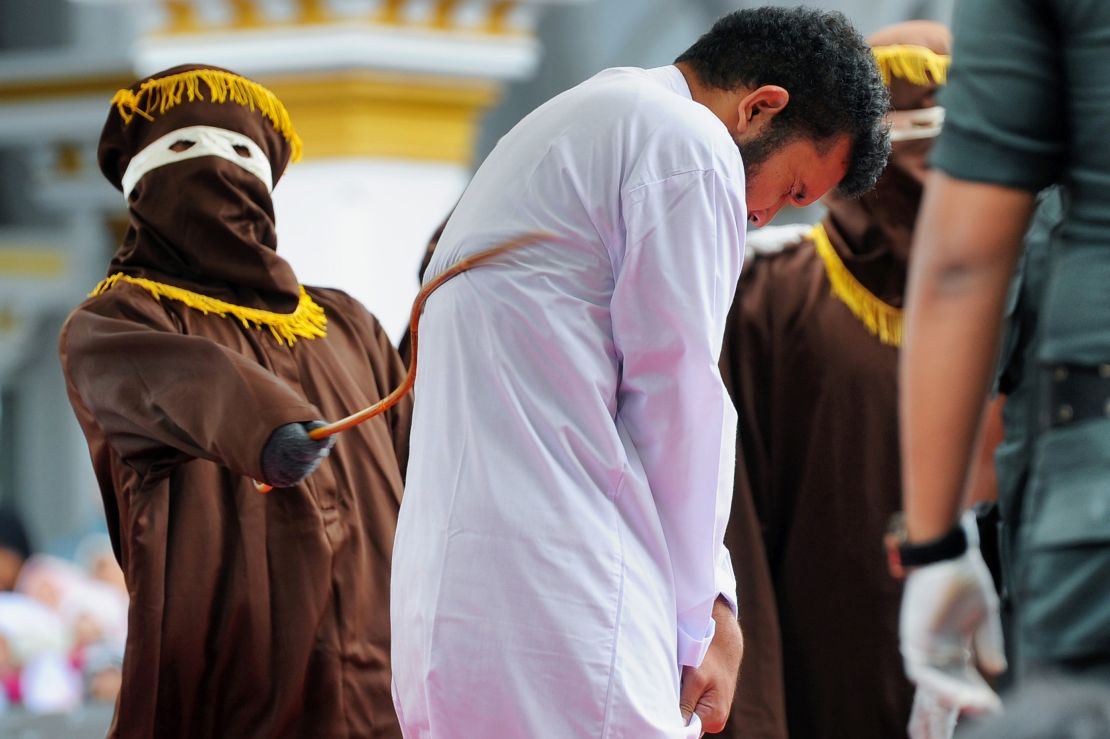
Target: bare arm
(968, 240)
(982, 482)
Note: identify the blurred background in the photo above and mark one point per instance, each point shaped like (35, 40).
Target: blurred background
(397, 102)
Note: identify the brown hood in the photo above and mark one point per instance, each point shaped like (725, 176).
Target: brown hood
(204, 224)
(872, 234)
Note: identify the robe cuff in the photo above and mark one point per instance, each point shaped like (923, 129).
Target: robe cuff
(725, 580)
(730, 599)
(691, 650)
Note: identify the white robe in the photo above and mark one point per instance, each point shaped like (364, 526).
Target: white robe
(559, 547)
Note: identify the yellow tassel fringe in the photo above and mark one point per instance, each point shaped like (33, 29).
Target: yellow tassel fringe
(306, 322)
(880, 319)
(918, 65)
(156, 96)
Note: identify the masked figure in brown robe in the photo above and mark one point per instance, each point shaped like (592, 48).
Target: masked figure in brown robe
(195, 367)
(810, 357)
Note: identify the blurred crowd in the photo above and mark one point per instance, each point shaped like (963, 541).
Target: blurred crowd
(62, 623)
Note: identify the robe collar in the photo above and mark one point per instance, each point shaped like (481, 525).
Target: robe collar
(671, 77)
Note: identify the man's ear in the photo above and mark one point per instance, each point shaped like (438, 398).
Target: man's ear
(759, 106)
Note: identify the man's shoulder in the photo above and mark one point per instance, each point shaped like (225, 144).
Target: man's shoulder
(609, 94)
(616, 81)
(643, 97)
(677, 139)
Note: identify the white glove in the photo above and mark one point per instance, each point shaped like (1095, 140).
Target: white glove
(929, 719)
(949, 608)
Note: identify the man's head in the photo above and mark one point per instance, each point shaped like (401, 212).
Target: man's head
(803, 98)
(195, 112)
(196, 150)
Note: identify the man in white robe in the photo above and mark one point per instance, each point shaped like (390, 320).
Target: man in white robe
(559, 568)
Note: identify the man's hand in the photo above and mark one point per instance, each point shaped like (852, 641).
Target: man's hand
(949, 614)
(929, 719)
(290, 455)
(708, 690)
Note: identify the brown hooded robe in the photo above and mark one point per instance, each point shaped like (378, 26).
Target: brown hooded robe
(252, 615)
(818, 469)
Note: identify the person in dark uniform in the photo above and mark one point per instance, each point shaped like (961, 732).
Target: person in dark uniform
(810, 359)
(1028, 106)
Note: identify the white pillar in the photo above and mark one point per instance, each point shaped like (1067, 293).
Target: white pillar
(362, 225)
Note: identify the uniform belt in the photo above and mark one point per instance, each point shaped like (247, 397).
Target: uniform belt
(1076, 393)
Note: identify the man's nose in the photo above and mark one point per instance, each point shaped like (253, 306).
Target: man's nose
(760, 218)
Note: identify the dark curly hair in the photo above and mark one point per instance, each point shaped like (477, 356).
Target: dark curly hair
(826, 66)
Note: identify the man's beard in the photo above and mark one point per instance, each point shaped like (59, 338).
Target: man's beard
(758, 150)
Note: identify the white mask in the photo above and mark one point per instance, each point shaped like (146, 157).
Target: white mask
(206, 141)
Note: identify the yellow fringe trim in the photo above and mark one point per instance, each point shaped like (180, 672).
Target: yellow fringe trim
(306, 322)
(882, 320)
(159, 95)
(918, 65)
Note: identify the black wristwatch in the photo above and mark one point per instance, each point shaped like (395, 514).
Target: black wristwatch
(902, 555)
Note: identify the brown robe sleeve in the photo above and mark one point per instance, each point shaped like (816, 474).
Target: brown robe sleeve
(161, 397)
(747, 364)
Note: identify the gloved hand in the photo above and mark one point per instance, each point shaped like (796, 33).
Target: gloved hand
(948, 609)
(289, 455)
(929, 719)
